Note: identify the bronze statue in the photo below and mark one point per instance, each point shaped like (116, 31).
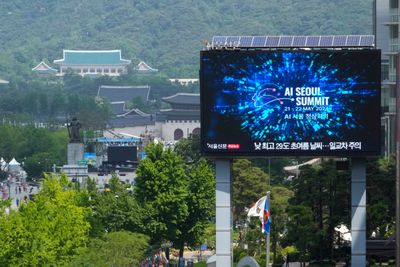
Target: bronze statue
(73, 131)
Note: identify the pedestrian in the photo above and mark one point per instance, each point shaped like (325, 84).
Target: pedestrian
(287, 260)
(17, 201)
(181, 262)
(157, 260)
(19, 189)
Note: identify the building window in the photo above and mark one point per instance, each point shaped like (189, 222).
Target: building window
(196, 131)
(178, 134)
(385, 72)
(394, 31)
(112, 70)
(91, 70)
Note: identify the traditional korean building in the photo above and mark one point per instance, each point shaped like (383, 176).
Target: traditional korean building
(117, 96)
(43, 69)
(142, 67)
(181, 120)
(132, 118)
(92, 62)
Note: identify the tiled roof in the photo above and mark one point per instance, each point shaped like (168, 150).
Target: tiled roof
(124, 93)
(183, 98)
(134, 111)
(143, 67)
(43, 68)
(95, 57)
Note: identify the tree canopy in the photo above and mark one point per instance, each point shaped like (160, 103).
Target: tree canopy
(37, 148)
(120, 248)
(167, 35)
(49, 231)
(249, 184)
(178, 203)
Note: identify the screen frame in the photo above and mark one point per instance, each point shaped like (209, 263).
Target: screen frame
(288, 153)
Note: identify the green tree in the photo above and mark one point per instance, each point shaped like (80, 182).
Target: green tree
(37, 148)
(115, 249)
(380, 194)
(49, 231)
(273, 167)
(278, 208)
(181, 197)
(254, 237)
(201, 205)
(189, 149)
(249, 184)
(300, 229)
(137, 102)
(113, 211)
(201, 192)
(161, 190)
(319, 188)
(210, 235)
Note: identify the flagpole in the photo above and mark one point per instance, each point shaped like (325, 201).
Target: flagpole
(267, 261)
(268, 235)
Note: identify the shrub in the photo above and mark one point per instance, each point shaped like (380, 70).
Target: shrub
(200, 264)
(238, 253)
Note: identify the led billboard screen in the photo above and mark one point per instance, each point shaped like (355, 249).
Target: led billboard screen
(121, 154)
(290, 103)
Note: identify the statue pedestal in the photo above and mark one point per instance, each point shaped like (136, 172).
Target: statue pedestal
(75, 153)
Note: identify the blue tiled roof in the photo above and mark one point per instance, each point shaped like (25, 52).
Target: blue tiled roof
(97, 57)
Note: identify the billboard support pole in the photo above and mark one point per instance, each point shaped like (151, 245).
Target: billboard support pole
(223, 214)
(358, 212)
(398, 161)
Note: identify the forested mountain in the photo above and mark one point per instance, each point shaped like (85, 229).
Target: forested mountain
(166, 34)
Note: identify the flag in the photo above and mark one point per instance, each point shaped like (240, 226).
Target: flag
(266, 220)
(257, 209)
(261, 210)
